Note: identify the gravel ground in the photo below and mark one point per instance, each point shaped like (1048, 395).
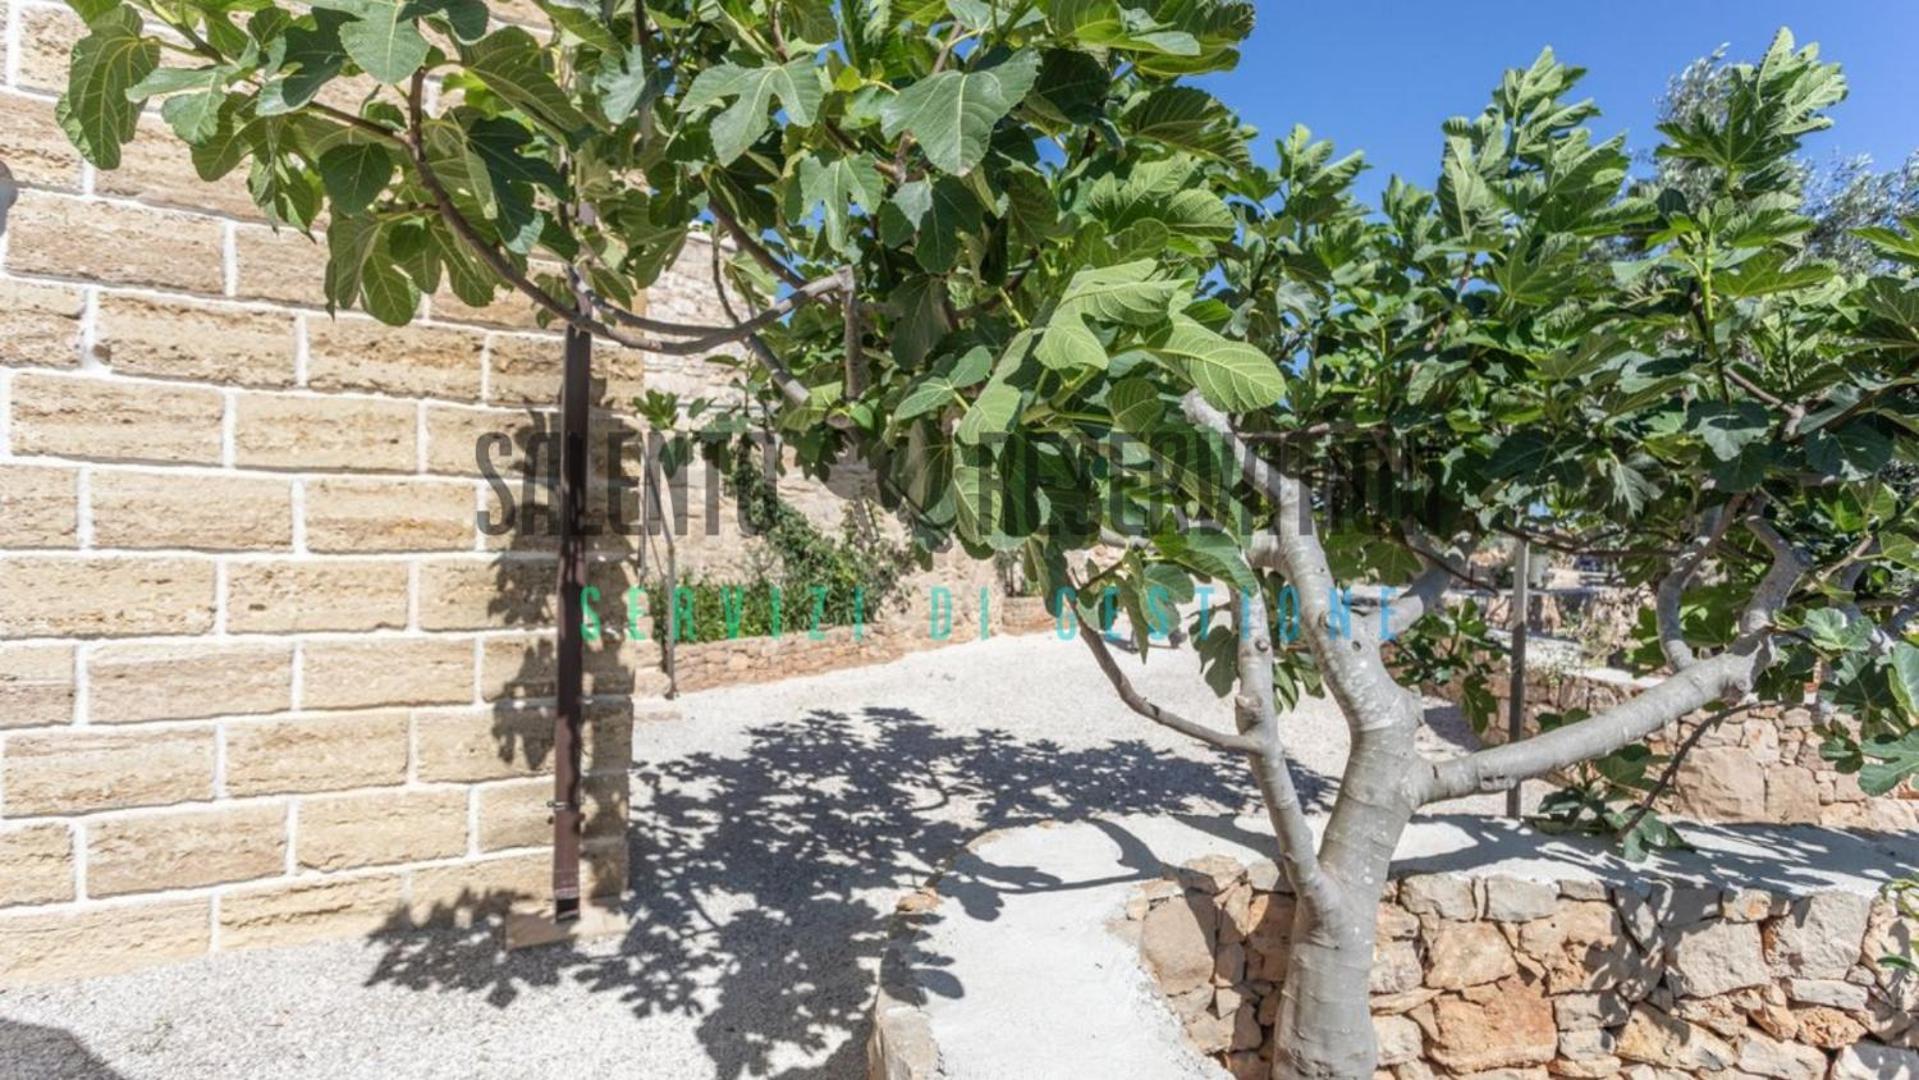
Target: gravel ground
(773, 828)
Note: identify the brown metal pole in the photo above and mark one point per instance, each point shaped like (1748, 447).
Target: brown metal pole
(576, 385)
(1516, 721)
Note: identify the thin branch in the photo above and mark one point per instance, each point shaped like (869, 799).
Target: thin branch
(1704, 682)
(1163, 717)
(753, 247)
(1256, 715)
(415, 145)
(1671, 772)
(1672, 589)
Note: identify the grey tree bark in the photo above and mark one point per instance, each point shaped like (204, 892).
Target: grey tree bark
(1325, 1027)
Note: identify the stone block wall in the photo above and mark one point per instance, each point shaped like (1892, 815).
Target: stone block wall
(1525, 979)
(263, 676)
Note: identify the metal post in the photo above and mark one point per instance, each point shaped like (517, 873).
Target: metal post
(1515, 723)
(576, 386)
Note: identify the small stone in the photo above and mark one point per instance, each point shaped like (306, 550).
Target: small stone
(918, 902)
(1839, 995)
(1764, 1056)
(1176, 941)
(1597, 1068)
(1717, 957)
(1395, 967)
(1449, 896)
(1403, 1002)
(1212, 874)
(1655, 1038)
(1246, 1030)
(1264, 875)
(1234, 905)
(1587, 1045)
(1511, 1026)
(1719, 1015)
(1827, 1028)
(1581, 1012)
(1211, 1034)
(1751, 905)
(1638, 916)
(1582, 888)
(1681, 906)
(1399, 1039)
(1511, 899)
(1396, 922)
(1866, 1061)
(1820, 937)
(1459, 955)
(1227, 1001)
(1229, 964)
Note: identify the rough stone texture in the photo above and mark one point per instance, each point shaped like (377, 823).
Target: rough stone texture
(317, 753)
(39, 506)
(1449, 896)
(1720, 957)
(36, 685)
(132, 682)
(142, 335)
(1656, 1038)
(1569, 992)
(39, 862)
(44, 945)
(413, 361)
(1517, 900)
(298, 595)
(158, 510)
(186, 849)
(1763, 768)
(40, 324)
(389, 515)
(105, 597)
(348, 673)
(102, 419)
(1820, 937)
(310, 910)
(1176, 940)
(35, 149)
(281, 431)
(64, 236)
(69, 771)
(1459, 955)
(382, 827)
(1509, 1024)
(514, 814)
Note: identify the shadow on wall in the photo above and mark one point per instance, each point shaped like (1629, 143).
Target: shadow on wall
(762, 883)
(30, 1050)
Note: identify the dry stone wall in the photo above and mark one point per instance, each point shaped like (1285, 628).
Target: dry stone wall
(1519, 979)
(1760, 765)
(263, 677)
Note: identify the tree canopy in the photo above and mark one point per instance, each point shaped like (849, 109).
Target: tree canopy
(1006, 253)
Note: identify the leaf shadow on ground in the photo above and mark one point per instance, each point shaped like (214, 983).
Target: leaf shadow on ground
(763, 881)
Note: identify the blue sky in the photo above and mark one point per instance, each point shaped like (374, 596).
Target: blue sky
(1380, 76)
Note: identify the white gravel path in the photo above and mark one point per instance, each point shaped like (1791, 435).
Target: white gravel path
(773, 828)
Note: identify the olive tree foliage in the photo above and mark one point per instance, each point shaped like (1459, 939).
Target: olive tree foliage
(1841, 196)
(1001, 252)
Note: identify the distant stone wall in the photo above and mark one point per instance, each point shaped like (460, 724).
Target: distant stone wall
(1516, 979)
(801, 652)
(1760, 765)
